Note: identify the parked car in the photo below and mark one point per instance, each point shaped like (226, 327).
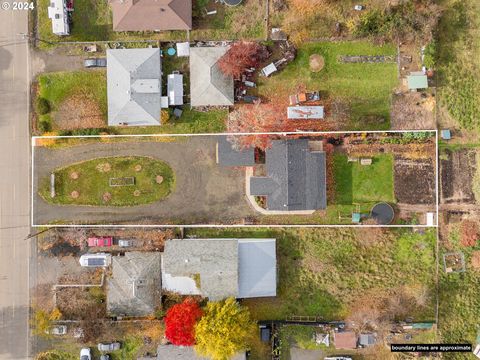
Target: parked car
(57, 330)
(100, 241)
(109, 346)
(105, 357)
(96, 260)
(125, 243)
(359, 7)
(95, 62)
(85, 354)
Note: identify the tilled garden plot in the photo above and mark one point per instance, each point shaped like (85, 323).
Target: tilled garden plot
(456, 186)
(414, 181)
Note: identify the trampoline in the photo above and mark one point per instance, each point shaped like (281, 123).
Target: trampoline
(383, 213)
(171, 51)
(232, 2)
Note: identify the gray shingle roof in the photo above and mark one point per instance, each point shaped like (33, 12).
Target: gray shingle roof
(215, 260)
(296, 177)
(228, 156)
(134, 286)
(134, 84)
(208, 85)
(241, 268)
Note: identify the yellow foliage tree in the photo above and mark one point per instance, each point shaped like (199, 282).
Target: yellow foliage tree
(43, 320)
(224, 329)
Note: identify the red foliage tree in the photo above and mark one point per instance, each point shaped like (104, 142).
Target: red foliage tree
(180, 322)
(240, 56)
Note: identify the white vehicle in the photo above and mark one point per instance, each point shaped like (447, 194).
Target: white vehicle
(57, 330)
(96, 260)
(125, 243)
(85, 354)
(359, 7)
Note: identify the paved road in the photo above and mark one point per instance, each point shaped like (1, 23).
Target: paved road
(205, 193)
(14, 186)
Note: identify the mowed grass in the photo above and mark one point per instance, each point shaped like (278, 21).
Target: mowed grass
(93, 176)
(355, 183)
(57, 87)
(365, 88)
(322, 272)
(191, 122)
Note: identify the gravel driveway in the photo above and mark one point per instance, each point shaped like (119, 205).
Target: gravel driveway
(205, 193)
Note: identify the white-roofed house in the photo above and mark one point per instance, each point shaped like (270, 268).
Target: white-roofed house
(208, 85)
(134, 86)
(220, 268)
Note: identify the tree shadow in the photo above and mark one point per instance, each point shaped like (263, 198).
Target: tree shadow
(6, 57)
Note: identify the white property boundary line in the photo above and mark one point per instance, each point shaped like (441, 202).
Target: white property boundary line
(435, 131)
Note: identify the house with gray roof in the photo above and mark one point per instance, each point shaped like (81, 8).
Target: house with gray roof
(208, 85)
(134, 287)
(228, 155)
(172, 352)
(220, 268)
(134, 86)
(296, 177)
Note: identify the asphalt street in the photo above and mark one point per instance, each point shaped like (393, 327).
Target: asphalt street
(14, 185)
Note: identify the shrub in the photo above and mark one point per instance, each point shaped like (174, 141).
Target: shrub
(42, 106)
(44, 125)
(429, 55)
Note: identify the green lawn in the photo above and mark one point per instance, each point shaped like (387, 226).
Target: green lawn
(56, 87)
(322, 272)
(365, 88)
(355, 183)
(93, 176)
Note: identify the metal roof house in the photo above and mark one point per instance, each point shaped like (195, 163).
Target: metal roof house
(208, 85)
(151, 15)
(220, 268)
(134, 287)
(305, 112)
(417, 80)
(172, 352)
(227, 155)
(57, 12)
(296, 177)
(175, 89)
(134, 86)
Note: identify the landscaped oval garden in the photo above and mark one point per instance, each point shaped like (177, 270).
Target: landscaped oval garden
(112, 181)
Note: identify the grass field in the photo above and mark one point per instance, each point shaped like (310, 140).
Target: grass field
(322, 272)
(365, 88)
(459, 300)
(355, 183)
(91, 181)
(458, 62)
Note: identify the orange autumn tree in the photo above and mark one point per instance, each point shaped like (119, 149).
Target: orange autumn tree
(240, 56)
(180, 322)
(255, 118)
